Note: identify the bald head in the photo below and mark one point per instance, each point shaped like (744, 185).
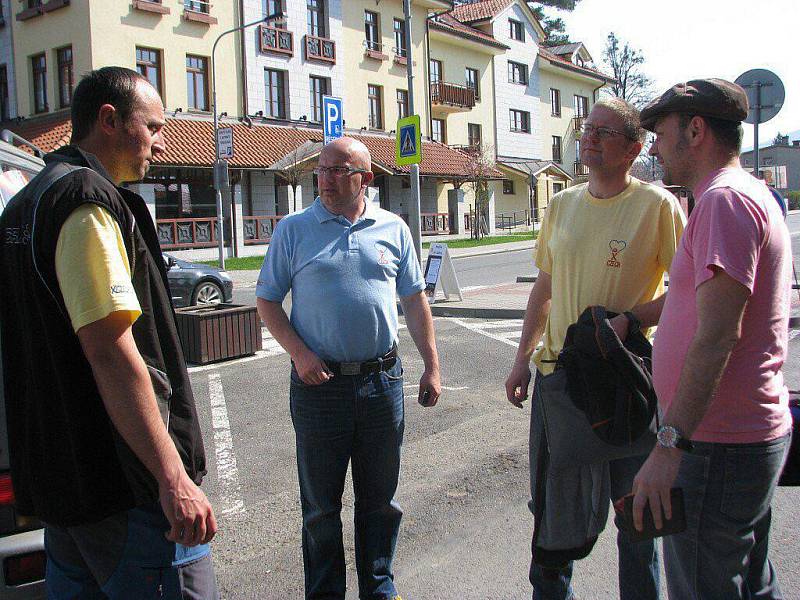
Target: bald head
(347, 150)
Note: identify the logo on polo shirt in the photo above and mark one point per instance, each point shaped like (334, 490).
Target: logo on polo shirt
(383, 254)
(616, 247)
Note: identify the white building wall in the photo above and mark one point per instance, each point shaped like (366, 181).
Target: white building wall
(7, 55)
(296, 66)
(513, 95)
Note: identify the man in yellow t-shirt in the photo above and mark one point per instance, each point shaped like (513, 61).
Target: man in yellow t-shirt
(607, 242)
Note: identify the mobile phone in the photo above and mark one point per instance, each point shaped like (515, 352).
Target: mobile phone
(426, 398)
(668, 526)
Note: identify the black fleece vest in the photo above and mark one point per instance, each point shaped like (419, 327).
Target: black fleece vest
(69, 464)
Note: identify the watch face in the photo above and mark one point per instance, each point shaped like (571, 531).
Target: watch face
(667, 436)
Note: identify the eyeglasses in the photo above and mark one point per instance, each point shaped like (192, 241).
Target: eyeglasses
(337, 171)
(602, 133)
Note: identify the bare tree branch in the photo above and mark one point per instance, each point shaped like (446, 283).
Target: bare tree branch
(625, 63)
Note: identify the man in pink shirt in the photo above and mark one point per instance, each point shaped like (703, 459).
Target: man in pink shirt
(718, 353)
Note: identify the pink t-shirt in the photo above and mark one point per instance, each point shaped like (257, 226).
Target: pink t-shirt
(738, 227)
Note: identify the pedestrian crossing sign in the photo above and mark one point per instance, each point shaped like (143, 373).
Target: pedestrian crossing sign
(408, 143)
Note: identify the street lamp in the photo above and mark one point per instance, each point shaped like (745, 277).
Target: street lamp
(221, 167)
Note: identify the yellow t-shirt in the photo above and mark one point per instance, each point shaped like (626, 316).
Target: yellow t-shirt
(92, 267)
(611, 252)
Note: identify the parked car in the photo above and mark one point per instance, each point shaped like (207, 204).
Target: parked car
(21, 538)
(195, 283)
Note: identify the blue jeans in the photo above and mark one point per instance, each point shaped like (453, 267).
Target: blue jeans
(125, 556)
(639, 575)
(723, 553)
(356, 418)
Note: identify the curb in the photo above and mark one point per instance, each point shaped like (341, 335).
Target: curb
(466, 312)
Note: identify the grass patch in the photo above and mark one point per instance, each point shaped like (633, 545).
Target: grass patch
(488, 240)
(244, 263)
(253, 263)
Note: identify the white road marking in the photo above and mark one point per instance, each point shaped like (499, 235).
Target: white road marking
(227, 473)
(478, 328)
(793, 333)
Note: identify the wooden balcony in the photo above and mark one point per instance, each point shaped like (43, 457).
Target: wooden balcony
(276, 40)
(320, 49)
(581, 170)
(258, 230)
(187, 233)
(451, 97)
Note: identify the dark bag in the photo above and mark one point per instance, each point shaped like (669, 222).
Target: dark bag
(599, 404)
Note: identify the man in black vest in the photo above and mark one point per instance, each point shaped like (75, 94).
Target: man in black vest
(104, 439)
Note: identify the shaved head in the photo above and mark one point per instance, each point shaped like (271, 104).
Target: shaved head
(350, 150)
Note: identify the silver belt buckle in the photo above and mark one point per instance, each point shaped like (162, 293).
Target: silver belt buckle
(350, 368)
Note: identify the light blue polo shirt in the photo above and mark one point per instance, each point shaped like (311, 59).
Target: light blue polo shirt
(344, 279)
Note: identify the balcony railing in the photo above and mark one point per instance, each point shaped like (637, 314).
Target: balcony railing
(452, 94)
(471, 149)
(468, 221)
(581, 170)
(318, 48)
(577, 125)
(187, 233)
(374, 50)
(435, 223)
(274, 39)
(258, 230)
(198, 11)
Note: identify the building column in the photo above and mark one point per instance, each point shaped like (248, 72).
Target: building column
(455, 206)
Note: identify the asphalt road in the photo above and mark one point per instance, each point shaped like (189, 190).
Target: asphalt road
(464, 485)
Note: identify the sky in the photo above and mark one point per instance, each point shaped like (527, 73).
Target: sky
(694, 39)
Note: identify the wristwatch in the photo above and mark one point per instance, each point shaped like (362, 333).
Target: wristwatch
(669, 436)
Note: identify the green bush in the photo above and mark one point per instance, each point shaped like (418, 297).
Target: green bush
(793, 199)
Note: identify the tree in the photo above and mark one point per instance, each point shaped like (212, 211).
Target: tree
(553, 26)
(479, 173)
(625, 64)
(781, 140)
(292, 167)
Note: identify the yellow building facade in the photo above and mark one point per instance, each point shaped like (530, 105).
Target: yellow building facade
(53, 49)
(376, 61)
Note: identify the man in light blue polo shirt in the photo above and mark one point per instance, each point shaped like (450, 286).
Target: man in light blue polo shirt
(345, 262)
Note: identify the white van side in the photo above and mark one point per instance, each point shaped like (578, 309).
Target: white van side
(21, 538)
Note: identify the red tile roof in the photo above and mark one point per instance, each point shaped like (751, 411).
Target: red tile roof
(190, 143)
(448, 23)
(479, 11)
(564, 62)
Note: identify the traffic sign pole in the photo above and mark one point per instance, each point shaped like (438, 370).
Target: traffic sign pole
(414, 208)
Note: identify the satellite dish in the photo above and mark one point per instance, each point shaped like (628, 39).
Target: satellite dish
(765, 94)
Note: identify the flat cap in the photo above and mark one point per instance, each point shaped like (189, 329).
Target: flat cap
(715, 98)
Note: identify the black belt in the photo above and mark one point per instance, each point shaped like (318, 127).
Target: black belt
(376, 365)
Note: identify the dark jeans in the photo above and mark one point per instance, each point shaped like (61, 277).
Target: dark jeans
(639, 575)
(126, 557)
(355, 418)
(723, 553)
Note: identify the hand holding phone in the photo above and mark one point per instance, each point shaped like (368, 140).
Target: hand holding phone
(676, 524)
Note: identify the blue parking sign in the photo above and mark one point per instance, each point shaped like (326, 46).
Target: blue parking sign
(331, 118)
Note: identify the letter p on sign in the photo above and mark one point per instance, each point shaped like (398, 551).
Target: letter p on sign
(331, 118)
